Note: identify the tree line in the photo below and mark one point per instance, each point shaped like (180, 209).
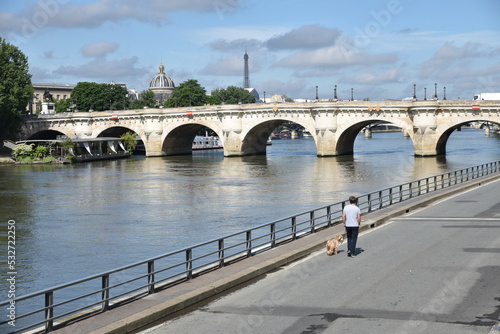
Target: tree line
(99, 97)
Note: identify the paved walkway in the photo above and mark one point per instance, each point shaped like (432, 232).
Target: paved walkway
(370, 298)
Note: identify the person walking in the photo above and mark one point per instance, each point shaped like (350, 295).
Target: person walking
(351, 217)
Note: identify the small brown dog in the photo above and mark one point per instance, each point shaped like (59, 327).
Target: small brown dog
(332, 245)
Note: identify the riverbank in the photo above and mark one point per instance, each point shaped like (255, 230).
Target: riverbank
(6, 160)
(5, 156)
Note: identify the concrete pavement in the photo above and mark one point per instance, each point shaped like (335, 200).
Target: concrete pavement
(434, 270)
(388, 286)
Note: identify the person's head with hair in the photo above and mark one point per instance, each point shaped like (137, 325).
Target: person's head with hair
(353, 199)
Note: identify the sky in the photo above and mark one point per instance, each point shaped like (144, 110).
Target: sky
(378, 48)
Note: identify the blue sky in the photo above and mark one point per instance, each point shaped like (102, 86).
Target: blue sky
(378, 48)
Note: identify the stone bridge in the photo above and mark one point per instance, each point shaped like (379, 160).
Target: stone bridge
(244, 129)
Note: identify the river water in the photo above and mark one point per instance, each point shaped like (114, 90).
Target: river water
(73, 221)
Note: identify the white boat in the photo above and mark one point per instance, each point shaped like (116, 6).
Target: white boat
(212, 143)
(206, 143)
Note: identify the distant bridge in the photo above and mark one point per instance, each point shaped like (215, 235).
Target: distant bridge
(244, 129)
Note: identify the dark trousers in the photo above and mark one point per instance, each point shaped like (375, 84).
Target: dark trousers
(352, 238)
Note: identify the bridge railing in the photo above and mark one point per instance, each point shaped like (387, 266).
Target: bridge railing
(60, 305)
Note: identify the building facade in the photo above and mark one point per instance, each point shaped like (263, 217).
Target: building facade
(46, 92)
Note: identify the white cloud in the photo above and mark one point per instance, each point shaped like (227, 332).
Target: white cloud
(259, 33)
(62, 13)
(373, 78)
(292, 88)
(101, 69)
(306, 37)
(98, 49)
(237, 44)
(229, 66)
(450, 51)
(335, 56)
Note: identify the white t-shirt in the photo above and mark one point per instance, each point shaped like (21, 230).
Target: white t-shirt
(351, 215)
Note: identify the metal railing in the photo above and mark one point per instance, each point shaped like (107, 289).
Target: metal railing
(59, 305)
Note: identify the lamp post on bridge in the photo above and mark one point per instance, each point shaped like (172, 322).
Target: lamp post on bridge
(414, 92)
(425, 93)
(264, 96)
(317, 93)
(435, 91)
(335, 93)
(444, 97)
(352, 94)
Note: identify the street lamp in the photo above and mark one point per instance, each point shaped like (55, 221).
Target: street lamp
(425, 93)
(316, 92)
(335, 93)
(435, 91)
(352, 94)
(444, 97)
(264, 96)
(414, 93)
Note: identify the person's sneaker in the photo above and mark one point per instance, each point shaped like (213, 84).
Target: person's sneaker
(349, 254)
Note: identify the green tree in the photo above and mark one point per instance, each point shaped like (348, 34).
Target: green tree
(189, 93)
(99, 97)
(62, 105)
(213, 99)
(16, 89)
(146, 99)
(129, 140)
(231, 95)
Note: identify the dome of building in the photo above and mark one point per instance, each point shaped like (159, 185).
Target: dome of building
(161, 80)
(161, 85)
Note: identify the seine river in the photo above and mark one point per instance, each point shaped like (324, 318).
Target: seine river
(76, 220)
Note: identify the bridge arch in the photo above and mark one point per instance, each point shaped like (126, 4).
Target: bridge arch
(179, 140)
(255, 139)
(115, 131)
(347, 135)
(46, 134)
(444, 132)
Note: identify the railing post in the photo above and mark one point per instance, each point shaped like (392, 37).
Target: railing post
(105, 293)
(418, 185)
(369, 199)
(151, 277)
(294, 227)
(390, 196)
(329, 215)
(189, 264)
(49, 311)
(401, 193)
(311, 221)
(273, 235)
(427, 185)
(221, 253)
(380, 199)
(249, 243)
(410, 189)
(435, 183)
